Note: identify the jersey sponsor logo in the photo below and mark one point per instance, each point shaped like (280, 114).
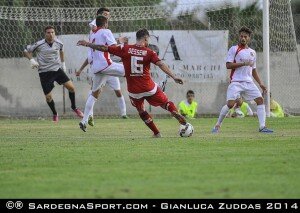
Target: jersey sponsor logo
(134, 51)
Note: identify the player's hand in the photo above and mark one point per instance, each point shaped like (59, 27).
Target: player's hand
(34, 64)
(249, 63)
(77, 73)
(123, 39)
(82, 43)
(264, 88)
(178, 80)
(63, 66)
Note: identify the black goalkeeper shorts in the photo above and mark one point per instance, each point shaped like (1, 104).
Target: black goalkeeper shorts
(48, 78)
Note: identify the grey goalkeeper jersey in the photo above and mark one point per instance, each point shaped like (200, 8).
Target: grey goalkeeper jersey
(47, 55)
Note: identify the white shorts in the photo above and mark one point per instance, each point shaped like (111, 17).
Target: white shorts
(115, 69)
(248, 90)
(100, 78)
(113, 82)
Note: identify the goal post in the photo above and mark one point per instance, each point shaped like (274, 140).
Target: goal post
(266, 53)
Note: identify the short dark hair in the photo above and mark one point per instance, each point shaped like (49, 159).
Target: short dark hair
(190, 92)
(101, 21)
(49, 27)
(101, 10)
(141, 33)
(246, 30)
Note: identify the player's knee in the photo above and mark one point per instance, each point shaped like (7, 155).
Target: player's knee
(71, 89)
(118, 93)
(96, 94)
(259, 101)
(48, 98)
(230, 104)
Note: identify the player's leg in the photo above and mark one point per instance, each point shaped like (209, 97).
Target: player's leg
(91, 113)
(144, 115)
(99, 81)
(160, 99)
(114, 83)
(51, 104)
(115, 69)
(233, 92)
(70, 87)
(253, 93)
(47, 82)
(62, 78)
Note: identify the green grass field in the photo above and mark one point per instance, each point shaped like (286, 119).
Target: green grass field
(119, 159)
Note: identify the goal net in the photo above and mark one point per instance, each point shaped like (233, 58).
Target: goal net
(192, 37)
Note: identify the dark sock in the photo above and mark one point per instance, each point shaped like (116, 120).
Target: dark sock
(149, 122)
(52, 107)
(72, 98)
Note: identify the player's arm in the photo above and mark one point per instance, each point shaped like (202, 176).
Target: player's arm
(103, 48)
(85, 63)
(257, 79)
(230, 60)
(167, 70)
(232, 65)
(62, 59)
(28, 54)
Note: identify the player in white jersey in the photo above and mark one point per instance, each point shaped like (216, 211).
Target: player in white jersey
(102, 66)
(112, 81)
(241, 59)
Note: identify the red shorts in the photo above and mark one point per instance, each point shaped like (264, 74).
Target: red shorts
(158, 99)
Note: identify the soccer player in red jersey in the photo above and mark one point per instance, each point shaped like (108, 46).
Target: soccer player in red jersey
(136, 60)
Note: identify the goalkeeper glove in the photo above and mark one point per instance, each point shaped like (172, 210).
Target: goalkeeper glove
(34, 64)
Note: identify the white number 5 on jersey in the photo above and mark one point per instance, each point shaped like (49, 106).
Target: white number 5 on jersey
(136, 66)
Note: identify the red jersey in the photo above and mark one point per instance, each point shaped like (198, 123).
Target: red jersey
(136, 61)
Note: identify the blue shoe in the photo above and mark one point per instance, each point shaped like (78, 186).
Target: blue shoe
(216, 129)
(266, 130)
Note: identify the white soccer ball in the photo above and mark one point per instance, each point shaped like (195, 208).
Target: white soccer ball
(186, 130)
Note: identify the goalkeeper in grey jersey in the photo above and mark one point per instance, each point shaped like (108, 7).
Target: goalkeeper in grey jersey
(51, 67)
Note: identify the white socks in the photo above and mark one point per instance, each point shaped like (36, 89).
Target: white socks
(92, 111)
(223, 114)
(89, 106)
(261, 114)
(122, 105)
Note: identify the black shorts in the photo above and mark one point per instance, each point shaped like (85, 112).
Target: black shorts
(48, 78)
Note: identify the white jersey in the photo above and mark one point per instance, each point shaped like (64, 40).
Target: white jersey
(238, 54)
(101, 60)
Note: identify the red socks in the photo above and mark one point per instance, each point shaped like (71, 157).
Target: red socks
(170, 106)
(149, 122)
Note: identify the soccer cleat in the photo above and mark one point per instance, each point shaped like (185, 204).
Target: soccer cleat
(158, 135)
(78, 112)
(55, 118)
(266, 130)
(216, 129)
(91, 121)
(82, 126)
(180, 118)
(124, 117)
